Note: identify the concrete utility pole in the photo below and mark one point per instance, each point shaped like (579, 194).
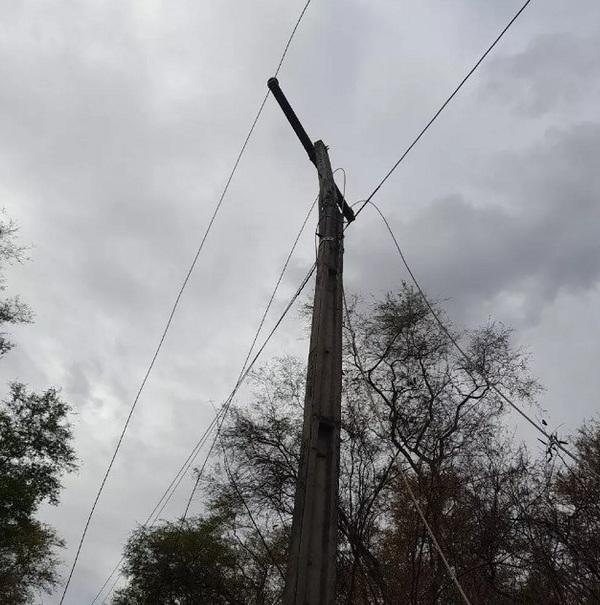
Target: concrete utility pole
(311, 559)
(310, 578)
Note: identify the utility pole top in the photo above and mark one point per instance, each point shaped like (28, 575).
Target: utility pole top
(290, 114)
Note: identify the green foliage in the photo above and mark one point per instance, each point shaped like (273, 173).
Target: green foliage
(182, 563)
(27, 560)
(35, 451)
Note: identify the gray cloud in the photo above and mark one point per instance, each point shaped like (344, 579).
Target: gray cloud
(545, 241)
(555, 71)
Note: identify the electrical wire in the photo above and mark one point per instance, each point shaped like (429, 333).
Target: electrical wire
(449, 568)
(443, 106)
(220, 415)
(255, 358)
(164, 499)
(228, 403)
(112, 588)
(176, 304)
(551, 437)
(242, 374)
(245, 374)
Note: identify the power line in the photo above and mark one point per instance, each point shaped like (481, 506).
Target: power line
(112, 588)
(252, 520)
(443, 106)
(245, 374)
(244, 370)
(112, 573)
(551, 437)
(164, 499)
(219, 417)
(176, 304)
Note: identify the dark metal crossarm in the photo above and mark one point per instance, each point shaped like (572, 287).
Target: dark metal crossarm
(290, 114)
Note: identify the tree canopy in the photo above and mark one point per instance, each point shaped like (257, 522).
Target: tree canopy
(516, 527)
(35, 451)
(206, 567)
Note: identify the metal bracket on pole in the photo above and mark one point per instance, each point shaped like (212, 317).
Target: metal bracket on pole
(290, 114)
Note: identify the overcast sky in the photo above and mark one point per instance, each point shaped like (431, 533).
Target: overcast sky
(119, 123)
